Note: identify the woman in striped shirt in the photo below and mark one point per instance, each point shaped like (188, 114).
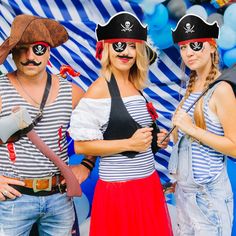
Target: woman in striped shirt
(112, 121)
(204, 136)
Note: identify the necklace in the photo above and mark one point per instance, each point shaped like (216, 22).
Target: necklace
(36, 102)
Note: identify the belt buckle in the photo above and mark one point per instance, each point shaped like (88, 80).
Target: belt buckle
(49, 188)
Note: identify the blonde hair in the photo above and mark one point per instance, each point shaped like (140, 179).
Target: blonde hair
(198, 111)
(138, 72)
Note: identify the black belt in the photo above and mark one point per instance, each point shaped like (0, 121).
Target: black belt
(29, 191)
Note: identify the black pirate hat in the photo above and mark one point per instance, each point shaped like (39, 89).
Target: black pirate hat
(191, 27)
(123, 25)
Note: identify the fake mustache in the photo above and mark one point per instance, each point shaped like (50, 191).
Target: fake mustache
(31, 62)
(126, 57)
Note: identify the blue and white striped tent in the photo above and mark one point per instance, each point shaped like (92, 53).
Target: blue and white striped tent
(80, 18)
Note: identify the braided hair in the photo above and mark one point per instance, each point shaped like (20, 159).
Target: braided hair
(198, 111)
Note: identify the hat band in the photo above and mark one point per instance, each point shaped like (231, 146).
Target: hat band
(210, 40)
(42, 43)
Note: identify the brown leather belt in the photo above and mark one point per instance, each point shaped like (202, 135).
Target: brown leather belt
(42, 184)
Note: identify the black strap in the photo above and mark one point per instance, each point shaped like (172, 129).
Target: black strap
(17, 135)
(44, 99)
(113, 88)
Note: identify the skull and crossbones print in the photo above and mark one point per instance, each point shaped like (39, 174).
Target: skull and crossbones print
(188, 28)
(119, 46)
(39, 49)
(127, 27)
(196, 46)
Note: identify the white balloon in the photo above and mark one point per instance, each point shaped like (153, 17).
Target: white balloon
(197, 10)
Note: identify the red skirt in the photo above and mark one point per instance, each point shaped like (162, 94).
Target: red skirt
(130, 208)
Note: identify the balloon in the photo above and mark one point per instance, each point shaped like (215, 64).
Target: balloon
(197, 10)
(176, 8)
(227, 38)
(229, 57)
(82, 207)
(162, 38)
(148, 6)
(230, 16)
(216, 17)
(158, 19)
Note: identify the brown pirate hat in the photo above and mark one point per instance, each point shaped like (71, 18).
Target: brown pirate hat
(27, 29)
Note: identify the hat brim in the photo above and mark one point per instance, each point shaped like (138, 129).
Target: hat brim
(5, 49)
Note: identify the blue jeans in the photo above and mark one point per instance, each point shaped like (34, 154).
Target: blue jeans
(54, 215)
(202, 209)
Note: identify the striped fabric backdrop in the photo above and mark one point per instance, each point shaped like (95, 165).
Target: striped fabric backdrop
(80, 19)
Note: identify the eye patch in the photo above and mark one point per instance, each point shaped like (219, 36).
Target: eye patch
(196, 46)
(39, 49)
(119, 46)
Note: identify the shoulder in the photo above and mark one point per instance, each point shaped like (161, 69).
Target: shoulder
(98, 89)
(223, 89)
(77, 94)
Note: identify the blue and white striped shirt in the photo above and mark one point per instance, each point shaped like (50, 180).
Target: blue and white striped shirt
(207, 163)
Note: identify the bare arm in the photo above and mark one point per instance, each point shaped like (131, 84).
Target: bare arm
(225, 106)
(139, 142)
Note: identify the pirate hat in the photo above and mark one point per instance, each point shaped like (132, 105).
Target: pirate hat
(123, 27)
(193, 28)
(27, 29)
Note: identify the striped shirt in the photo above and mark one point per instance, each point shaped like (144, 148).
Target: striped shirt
(30, 162)
(207, 163)
(90, 121)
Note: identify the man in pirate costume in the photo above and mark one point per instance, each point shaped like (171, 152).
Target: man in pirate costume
(112, 121)
(205, 135)
(30, 189)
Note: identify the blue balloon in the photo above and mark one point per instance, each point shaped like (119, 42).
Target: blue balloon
(229, 57)
(162, 38)
(158, 19)
(227, 38)
(230, 16)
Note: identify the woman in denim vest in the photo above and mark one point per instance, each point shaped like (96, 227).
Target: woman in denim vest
(204, 136)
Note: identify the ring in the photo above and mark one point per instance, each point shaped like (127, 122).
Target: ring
(5, 192)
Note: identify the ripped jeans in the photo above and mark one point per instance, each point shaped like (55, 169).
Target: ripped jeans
(202, 210)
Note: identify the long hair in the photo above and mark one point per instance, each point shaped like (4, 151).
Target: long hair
(198, 111)
(138, 72)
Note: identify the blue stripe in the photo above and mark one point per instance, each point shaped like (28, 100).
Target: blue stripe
(61, 5)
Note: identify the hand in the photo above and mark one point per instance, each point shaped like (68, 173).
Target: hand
(141, 139)
(6, 191)
(160, 137)
(184, 122)
(81, 173)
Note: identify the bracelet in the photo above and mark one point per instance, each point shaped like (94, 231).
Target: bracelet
(86, 165)
(89, 161)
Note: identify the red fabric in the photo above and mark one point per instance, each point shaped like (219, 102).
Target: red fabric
(130, 208)
(11, 152)
(210, 40)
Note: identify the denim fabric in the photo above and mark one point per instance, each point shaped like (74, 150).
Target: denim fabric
(54, 215)
(202, 210)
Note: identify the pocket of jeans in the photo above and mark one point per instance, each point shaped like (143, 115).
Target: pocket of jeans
(229, 206)
(183, 163)
(204, 205)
